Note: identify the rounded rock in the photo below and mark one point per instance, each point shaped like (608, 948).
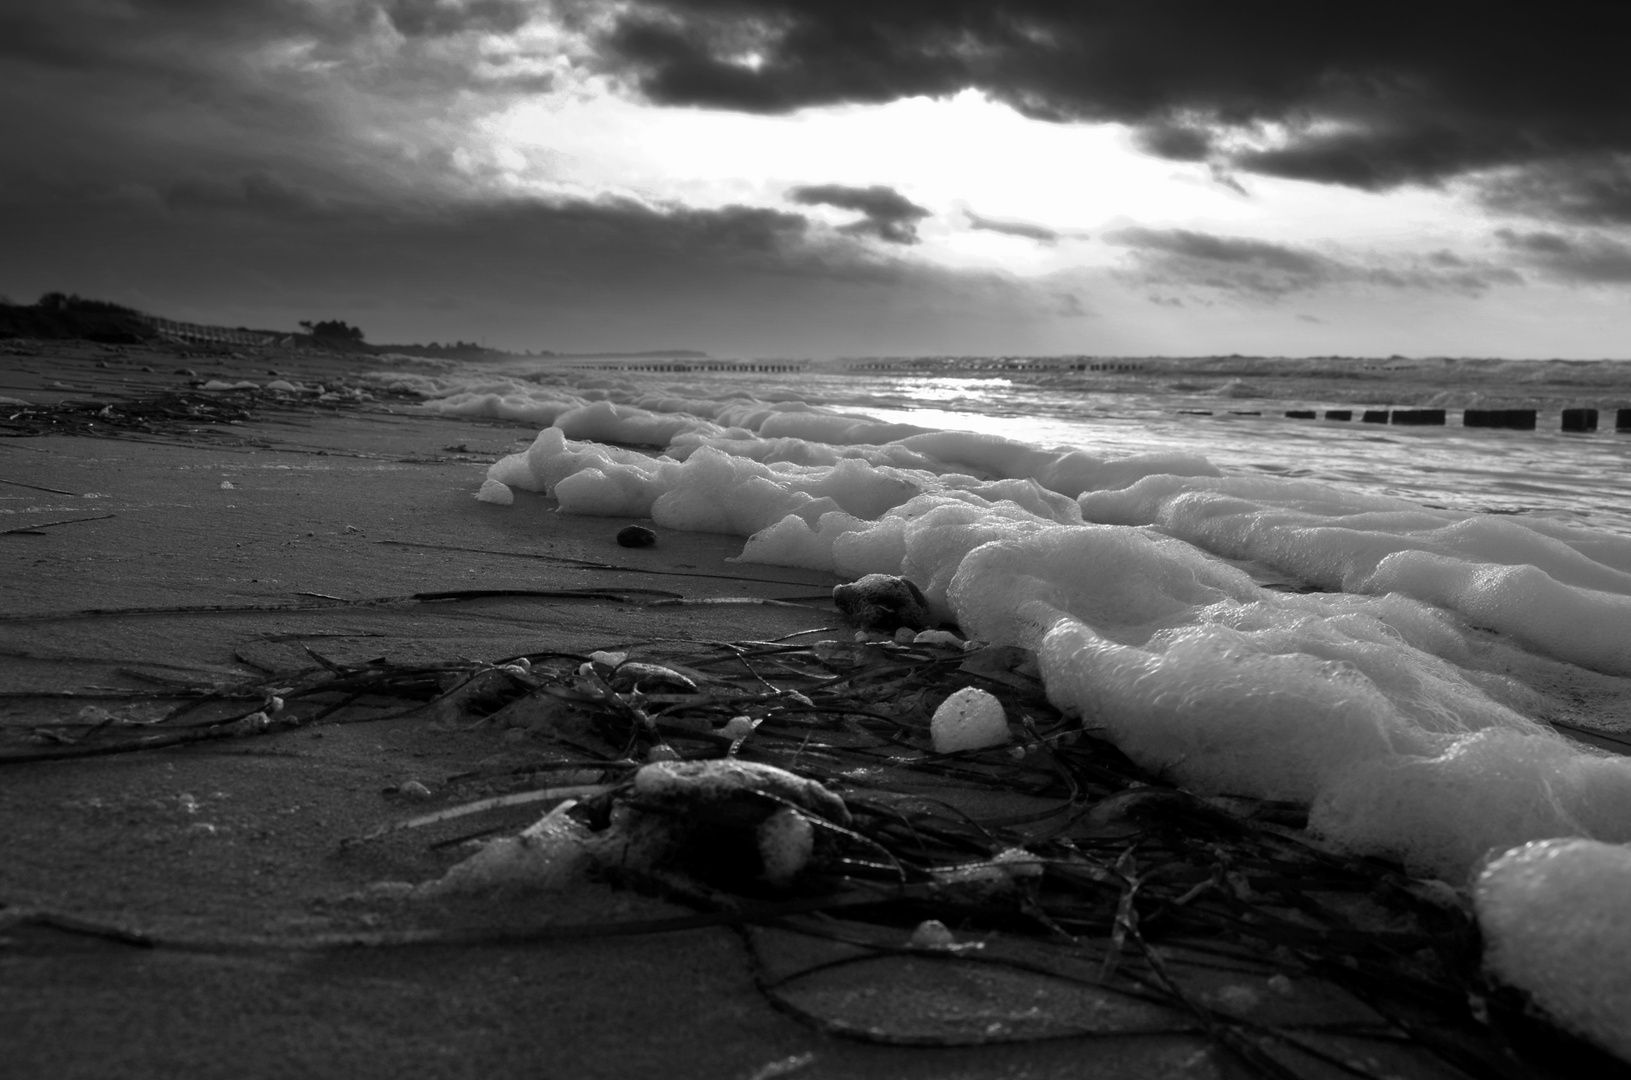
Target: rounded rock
(633, 536)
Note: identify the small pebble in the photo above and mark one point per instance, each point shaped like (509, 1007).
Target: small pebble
(633, 536)
(737, 727)
(413, 789)
(933, 934)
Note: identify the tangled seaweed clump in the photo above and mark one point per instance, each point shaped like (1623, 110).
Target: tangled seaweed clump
(1047, 888)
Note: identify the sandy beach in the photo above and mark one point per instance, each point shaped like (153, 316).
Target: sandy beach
(214, 553)
(243, 838)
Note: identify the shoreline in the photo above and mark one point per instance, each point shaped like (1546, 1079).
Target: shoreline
(209, 556)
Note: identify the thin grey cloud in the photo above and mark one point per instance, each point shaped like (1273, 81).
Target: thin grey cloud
(1369, 96)
(258, 192)
(885, 212)
(442, 18)
(1590, 258)
(1589, 190)
(1183, 258)
(1024, 229)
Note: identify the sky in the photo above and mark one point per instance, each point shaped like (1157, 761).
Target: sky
(803, 178)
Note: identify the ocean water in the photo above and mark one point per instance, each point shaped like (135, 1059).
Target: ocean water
(1153, 405)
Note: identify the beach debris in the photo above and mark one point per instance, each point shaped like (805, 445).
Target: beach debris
(786, 842)
(549, 854)
(970, 719)
(494, 492)
(690, 784)
(883, 603)
(738, 728)
(413, 789)
(190, 415)
(1088, 895)
(630, 675)
(1553, 914)
(634, 536)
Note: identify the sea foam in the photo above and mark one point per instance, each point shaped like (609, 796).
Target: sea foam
(1389, 706)
(1404, 689)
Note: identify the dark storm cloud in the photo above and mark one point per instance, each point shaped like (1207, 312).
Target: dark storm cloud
(1240, 265)
(1176, 142)
(1371, 95)
(329, 101)
(1023, 229)
(885, 212)
(1589, 259)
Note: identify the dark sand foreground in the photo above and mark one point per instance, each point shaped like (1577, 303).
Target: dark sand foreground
(242, 838)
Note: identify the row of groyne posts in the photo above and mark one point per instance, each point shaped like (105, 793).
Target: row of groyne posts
(1577, 420)
(674, 366)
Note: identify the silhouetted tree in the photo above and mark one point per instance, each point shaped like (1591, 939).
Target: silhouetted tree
(333, 330)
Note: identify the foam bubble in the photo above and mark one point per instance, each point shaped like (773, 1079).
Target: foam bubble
(1554, 923)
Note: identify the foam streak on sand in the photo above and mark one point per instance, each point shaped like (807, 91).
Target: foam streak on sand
(1406, 704)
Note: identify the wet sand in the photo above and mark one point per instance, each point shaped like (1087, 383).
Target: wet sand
(242, 838)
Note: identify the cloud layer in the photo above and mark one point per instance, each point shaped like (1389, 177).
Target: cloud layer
(1370, 95)
(278, 159)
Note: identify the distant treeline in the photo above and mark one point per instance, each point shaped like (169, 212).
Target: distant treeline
(65, 315)
(59, 316)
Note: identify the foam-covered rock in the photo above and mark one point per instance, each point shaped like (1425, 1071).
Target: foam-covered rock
(883, 603)
(970, 719)
(494, 492)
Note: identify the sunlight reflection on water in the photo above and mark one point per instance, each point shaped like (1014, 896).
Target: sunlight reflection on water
(1584, 479)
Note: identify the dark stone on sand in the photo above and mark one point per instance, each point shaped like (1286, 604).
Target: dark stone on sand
(883, 603)
(636, 536)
